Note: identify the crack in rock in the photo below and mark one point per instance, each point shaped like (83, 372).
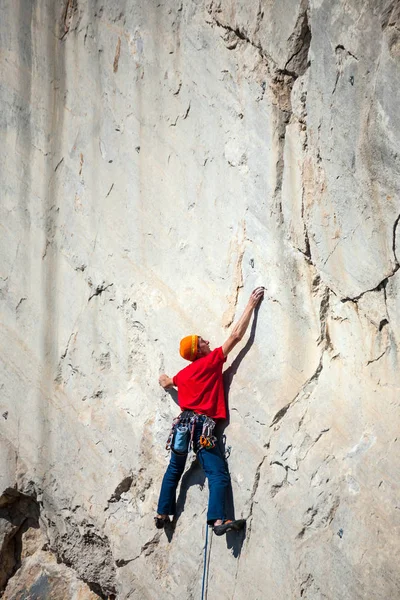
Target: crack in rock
(321, 515)
(325, 341)
(309, 590)
(394, 240)
(58, 377)
(253, 493)
(281, 80)
(307, 388)
(70, 10)
(382, 284)
(291, 457)
(378, 357)
(300, 40)
(277, 487)
(147, 549)
(182, 117)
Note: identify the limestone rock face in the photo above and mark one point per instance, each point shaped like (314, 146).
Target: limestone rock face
(159, 160)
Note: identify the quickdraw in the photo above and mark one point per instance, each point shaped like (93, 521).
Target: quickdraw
(207, 439)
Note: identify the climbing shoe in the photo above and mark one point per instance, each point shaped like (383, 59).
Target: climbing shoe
(229, 526)
(161, 522)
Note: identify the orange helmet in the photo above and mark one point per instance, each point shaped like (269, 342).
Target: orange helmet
(188, 347)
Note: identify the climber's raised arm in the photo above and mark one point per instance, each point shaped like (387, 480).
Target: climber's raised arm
(165, 381)
(241, 326)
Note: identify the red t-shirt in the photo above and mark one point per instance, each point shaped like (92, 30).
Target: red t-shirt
(200, 386)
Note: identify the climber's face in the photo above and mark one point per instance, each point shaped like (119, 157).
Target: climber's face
(203, 347)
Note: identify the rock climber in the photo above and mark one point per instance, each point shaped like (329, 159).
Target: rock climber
(202, 402)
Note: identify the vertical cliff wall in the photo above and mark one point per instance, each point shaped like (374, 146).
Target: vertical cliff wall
(158, 161)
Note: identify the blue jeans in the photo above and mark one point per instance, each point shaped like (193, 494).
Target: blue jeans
(214, 466)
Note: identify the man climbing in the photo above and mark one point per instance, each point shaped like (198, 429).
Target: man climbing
(202, 401)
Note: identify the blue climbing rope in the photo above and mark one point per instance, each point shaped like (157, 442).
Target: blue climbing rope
(203, 586)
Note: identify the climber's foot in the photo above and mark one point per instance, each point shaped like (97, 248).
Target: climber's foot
(226, 526)
(161, 520)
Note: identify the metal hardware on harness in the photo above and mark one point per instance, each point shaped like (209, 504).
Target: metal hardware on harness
(175, 423)
(208, 442)
(189, 418)
(207, 439)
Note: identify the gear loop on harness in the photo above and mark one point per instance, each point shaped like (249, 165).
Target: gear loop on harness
(190, 419)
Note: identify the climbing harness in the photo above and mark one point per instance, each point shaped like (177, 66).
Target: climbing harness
(180, 439)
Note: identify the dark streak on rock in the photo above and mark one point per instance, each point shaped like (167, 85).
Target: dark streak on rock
(58, 164)
(122, 562)
(382, 324)
(149, 547)
(117, 55)
(70, 9)
(19, 303)
(178, 90)
(280, 414)
(64, 354)
(391, 15)
(123, 487)
(99, 290)
(394, 239)
(378, 357)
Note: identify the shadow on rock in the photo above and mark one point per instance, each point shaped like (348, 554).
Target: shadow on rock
(231, 371)
(174, 394)
(234, 541)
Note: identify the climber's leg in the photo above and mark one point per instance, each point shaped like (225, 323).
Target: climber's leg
(217, 474)
(167, 500)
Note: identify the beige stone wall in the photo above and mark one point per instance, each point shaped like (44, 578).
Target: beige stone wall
(159, 160)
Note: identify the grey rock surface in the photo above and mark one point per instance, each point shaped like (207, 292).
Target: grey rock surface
(159, 161)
